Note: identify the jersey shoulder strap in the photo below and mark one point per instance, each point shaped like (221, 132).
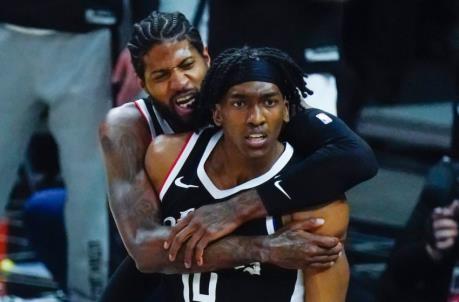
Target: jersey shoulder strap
(156, 123)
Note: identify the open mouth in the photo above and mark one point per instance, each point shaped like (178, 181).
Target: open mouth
(256, 140)
(184, 104)
(186, 101)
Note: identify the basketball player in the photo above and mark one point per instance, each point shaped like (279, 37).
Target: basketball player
(249, 92)
(171, 61)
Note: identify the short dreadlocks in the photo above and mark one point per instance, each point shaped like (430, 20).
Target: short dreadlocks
(215, 85)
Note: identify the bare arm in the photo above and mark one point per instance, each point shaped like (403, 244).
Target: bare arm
(136, 210)
(150, 256)
(329, 283)
(125, 138)
(294, 248)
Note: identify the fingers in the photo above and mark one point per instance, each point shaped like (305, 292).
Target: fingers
(445, 244)
(445, 233)
(190, 247)
(200, 249)
(179, 240)
(306, 225)
(322, 265)
(196, 245)
(325, 258)
(444, 223)
(315, 251)
(442, 212)
(327, 242)
(175, 229)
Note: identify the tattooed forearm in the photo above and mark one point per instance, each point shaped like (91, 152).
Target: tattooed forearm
(226, 253)
(132, 199)
(131, 155)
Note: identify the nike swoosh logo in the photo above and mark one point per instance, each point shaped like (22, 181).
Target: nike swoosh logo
(277, 185)
(178, 182)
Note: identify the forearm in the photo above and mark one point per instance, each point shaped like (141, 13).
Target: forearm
(227, 252)
(144, 239)
(136, 212)
(124, 138)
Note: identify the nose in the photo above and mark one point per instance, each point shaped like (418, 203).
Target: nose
(178, 80)
(256, 116)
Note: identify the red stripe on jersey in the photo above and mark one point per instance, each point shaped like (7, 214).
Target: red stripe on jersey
(175, 161)
(145, 117)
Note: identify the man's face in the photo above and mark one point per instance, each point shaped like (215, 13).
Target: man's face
(173, 75)
(251, 115)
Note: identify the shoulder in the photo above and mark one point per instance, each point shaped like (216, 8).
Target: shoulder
(122, 120)
(162, 154)
(165, 144)
(124, 127)
(124, 115)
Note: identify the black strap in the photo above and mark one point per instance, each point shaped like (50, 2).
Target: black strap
(154, 118)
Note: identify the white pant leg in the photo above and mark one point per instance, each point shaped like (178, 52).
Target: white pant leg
(19, 109)
(325, 92)
(81, 98)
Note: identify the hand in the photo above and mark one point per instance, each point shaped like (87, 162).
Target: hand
(444, 230)
(125, 76)
(294, 247)
(199, 228)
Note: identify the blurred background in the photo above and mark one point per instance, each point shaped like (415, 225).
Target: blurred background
(387, 68)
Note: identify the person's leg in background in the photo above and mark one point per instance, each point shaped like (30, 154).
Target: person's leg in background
(44, 208)
(43, 217)
(19, 110)
(81, 97)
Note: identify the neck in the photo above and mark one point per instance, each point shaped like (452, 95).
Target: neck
(228, 168)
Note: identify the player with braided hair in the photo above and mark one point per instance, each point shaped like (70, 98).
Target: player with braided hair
(240, 153)
(157, 28)
(173, 70)
(293, 84)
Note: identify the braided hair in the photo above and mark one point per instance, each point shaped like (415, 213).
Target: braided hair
(157, 28)
(215, 85)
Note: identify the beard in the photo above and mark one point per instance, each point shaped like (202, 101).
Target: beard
(177, 123)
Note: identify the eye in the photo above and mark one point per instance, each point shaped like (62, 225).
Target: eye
(187, 65)
(160, 76)
(238, 103)
(270, 102)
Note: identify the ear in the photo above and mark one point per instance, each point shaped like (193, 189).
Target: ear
(217, 115)
(142, 83)
(206, 56)
(286, 117)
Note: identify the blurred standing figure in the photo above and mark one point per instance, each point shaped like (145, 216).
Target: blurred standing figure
(56, 59)
(424, 265)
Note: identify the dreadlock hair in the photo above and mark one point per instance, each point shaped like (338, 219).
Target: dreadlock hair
(215, 85)
(157, 28)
